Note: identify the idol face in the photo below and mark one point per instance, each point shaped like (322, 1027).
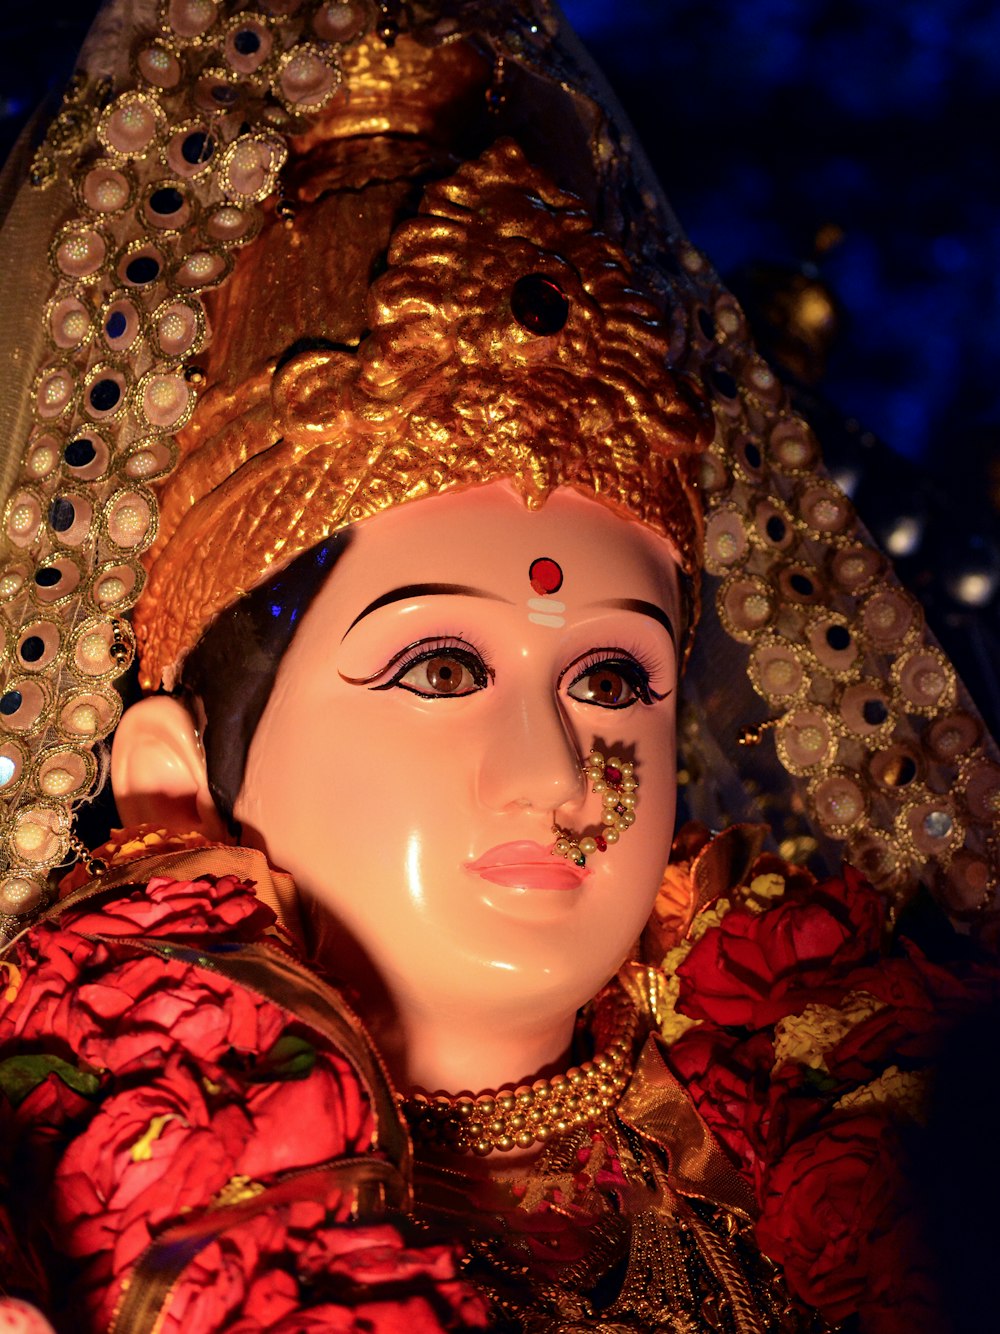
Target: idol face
(427, 730)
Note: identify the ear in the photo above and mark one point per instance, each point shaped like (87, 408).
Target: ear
(158, 773)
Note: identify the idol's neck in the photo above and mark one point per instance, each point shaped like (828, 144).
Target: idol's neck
(468, 1053)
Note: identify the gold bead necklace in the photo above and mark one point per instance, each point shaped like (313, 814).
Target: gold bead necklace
(527, 1114)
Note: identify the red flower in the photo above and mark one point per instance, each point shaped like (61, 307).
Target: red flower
(154, 1087)
(922, 1004)
(300, 1123)
(726, 1079)
(150, 1153)
(223, 906)
(835, 1216)
(50, 961)
(755, 967)
(66, 997)
(385, 1285)
(135, 1012)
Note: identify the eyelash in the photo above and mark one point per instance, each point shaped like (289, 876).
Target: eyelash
(633, 663)
(467, 653)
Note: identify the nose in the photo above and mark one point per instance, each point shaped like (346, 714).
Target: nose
(533, 758)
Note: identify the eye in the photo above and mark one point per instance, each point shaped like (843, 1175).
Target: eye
(431, 668)
(441, 673)
(611, 684)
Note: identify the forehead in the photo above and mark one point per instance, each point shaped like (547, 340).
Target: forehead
(488, 538)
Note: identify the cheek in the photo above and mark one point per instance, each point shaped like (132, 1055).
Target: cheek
(340, 788)
(646, 844)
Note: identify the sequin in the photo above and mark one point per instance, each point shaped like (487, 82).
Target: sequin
(116, 325)
(141, 270)
(166, 201)
(197, 148)
(538, 304)
(47, 577)
(78, 453)
(938, 824)
(10, 702)
(247, 42)
(32, 648)
(726, 386)
(62, 514)
(104, 395)
(874, 712)
(900, 771)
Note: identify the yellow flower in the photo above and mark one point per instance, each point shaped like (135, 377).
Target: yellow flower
(674, 1025)
(10, 980)
(235, 1191)
(906, 1090)
(707, 919)
(764, 888)
(806, 1038)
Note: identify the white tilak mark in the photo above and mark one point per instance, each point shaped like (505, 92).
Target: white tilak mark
(547, 606)
(539, 619)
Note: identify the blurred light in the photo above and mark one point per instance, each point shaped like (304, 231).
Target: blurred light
(847, 479)
(903, 537)
(13, 106)
(973, 588)
(814, 309)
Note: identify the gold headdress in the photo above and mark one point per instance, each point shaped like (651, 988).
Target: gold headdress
(507, 339)
(225, 159)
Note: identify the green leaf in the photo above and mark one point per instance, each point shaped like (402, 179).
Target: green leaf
(820, 1082)
(20, 1075)
(291, 1057)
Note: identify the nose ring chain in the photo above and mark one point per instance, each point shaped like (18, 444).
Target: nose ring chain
(615, 782)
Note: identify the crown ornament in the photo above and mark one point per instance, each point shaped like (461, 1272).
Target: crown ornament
(507, 340)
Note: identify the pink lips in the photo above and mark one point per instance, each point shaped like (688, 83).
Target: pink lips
(527, 865)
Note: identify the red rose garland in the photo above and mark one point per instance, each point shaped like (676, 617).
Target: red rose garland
(806, 1040)
(140, 1091)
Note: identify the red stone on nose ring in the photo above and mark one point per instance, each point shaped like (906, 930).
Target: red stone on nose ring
(615, 782)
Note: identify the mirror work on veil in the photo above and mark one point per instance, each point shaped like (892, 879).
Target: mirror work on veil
(372, 430)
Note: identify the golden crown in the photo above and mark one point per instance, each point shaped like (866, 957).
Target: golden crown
(507, 339)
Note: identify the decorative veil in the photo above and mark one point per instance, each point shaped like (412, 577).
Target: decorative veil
(165, 163)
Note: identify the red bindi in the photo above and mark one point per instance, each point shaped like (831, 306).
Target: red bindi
(545, 575)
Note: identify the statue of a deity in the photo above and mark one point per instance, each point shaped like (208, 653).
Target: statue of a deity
(382, 418)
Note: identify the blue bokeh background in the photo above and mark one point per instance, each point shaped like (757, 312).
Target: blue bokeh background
(770, 118)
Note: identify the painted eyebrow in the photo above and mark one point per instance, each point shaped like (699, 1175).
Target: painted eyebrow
(422, 591)
(644, 609)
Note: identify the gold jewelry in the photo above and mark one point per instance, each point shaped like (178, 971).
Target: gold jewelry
(527, 1114)
(614, 780)
(96, 866)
